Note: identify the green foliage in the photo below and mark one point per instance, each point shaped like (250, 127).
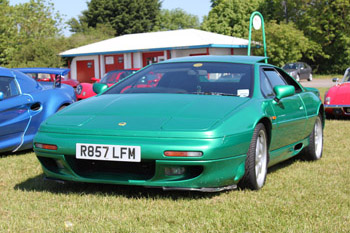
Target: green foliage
(285, 43)
(176, 19)
(230, 17)
(125, 16)
(90, 35)
(326, 23)
(30, 34)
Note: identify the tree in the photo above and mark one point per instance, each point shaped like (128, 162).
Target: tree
(323, 22)
(7, 30)
(176, 19)
(88, 35)
(125, 16)
(34, 35)
(285, 43)
(230, 17)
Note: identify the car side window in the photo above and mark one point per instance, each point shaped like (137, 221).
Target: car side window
(265, 86)
(290, 81)
(8, 87)
(274, 77)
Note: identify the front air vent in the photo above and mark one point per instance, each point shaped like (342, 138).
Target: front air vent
(35, 107)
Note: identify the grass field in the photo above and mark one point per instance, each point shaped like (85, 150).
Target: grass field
(299, 196)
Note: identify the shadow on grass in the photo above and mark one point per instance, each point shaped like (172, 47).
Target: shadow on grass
(284, 164)
(19, 153)
(39, 184)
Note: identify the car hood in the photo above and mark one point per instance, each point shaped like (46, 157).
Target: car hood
(153, 113)
(340, 94)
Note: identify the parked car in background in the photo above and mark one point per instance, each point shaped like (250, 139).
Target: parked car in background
(25, 104)
(299, 70)
(337, 98)
(208, 123)
(85, 90)
(49, 75)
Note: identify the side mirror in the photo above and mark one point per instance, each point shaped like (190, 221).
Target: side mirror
(284, 91)
(335, 80)
(1, 95)
(99, 87)
(95, 79)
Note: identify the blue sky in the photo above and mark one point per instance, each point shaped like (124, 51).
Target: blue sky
(73, 8)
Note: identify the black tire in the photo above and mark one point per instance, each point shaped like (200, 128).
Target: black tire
(253, 178)
(60, 108)
(309, 78)
(315, 149)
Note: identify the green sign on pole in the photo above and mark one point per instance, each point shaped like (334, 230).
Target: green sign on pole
(257, 21)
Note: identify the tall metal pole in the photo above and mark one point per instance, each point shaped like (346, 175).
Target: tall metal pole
(257, 21)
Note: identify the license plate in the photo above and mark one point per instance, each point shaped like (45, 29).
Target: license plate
(108, 152)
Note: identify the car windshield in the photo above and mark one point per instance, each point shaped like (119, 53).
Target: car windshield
(346, 77)
(289, 66)
(202, 78)
(115, 76)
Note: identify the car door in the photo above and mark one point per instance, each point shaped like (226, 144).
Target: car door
(289, 112)
(14, 114)
(304, 71)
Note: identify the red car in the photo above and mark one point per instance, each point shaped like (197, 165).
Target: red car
(49, 75)
(84, 90)
(337, 98)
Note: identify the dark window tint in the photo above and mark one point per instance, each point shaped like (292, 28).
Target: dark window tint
(8, 87)
(265, 86)
(201, 78)
(274, 77)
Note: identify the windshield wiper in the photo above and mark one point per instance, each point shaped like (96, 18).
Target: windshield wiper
(212, 93)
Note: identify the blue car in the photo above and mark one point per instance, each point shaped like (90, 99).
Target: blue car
(25, 104)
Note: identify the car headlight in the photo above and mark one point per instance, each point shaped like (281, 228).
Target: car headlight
(79, 89)
(327, 100)
(293, 73)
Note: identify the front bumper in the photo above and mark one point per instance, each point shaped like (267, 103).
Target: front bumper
(221, 166)
(337, 110)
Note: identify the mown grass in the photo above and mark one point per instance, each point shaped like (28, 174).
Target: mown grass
(299, 196)
(327, 76)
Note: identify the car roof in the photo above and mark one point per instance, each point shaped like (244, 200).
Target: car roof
(60, 71)
(6, 72)
(227, 58)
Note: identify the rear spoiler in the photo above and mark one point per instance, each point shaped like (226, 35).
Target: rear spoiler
(58, 72)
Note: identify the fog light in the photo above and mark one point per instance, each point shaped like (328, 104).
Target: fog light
(59, 164)
(183, 153)
(174, 171)
(45, 146)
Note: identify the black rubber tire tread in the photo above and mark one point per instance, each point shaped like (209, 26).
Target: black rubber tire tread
(309, 152)
(248, 181)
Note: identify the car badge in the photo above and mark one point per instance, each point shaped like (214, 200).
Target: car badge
(122, 123)
(197, 65)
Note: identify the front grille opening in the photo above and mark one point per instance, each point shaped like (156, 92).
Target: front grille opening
(347, 110)
(48, 163)
(193, 171)
(112, 170)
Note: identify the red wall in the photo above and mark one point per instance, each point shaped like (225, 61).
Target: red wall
(114, 62)
(85, 71)
(151, 57)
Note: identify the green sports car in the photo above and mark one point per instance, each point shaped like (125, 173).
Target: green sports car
(205, 123)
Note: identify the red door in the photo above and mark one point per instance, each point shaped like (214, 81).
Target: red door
(152, 57)
(114, 62)
(85, 71)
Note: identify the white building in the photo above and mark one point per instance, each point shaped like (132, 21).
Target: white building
(141, 49)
